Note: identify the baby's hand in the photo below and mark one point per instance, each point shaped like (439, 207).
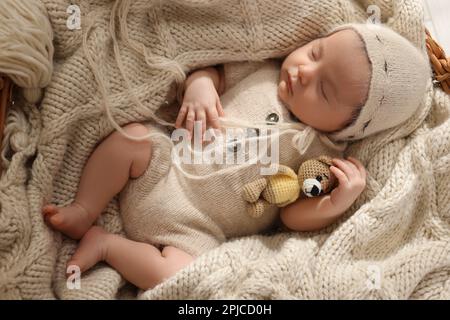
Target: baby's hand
(201, 101)
(352, 181)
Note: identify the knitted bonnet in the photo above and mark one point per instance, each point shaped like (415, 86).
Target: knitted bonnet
(399, 77)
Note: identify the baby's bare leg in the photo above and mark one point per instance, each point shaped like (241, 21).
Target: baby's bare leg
(107, 171)
(142, 264)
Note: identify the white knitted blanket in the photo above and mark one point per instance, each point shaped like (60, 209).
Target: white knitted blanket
(394, 242)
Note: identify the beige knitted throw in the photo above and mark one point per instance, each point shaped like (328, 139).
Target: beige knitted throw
(392, 243)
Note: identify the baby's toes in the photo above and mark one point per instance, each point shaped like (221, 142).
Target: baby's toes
(49, 211)
(56, 220)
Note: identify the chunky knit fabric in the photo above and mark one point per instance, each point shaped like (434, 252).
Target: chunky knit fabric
(392, 243)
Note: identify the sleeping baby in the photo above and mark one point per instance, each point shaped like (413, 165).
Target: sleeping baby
(357, 81)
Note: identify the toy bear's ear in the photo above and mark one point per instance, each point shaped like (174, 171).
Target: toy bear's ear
(325, 160)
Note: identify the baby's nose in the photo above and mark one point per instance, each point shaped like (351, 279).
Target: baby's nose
(297, 75)
(302, 74)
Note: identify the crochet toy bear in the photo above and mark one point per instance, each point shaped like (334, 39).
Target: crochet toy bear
(314, 178)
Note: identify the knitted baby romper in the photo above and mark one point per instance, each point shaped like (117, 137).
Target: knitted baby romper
(200, 211)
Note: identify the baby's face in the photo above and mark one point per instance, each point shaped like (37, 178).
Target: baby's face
(323, 82)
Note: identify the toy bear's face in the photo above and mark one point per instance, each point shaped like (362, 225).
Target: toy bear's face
(315, 177)
(313, 187)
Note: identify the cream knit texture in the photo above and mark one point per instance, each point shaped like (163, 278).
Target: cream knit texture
(392, 243)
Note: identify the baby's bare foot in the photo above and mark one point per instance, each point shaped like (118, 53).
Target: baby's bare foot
(72, 220)
(91, 250)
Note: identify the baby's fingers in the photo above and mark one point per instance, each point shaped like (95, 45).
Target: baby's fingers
(220, 108)
(340, 175)
(181, 116)
(213, 118)
(190, 118)
(360, 166)
(346, 166)
(201, 116)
